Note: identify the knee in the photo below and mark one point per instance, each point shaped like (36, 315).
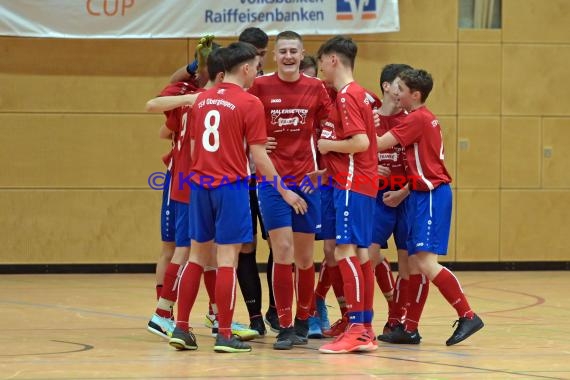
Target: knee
(329, 253)
(282, 251)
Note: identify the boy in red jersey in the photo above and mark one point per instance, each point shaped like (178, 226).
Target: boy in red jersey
(247, 271)
(175, 244)
(293, 103)
(180, 196)
(429, 208)
(222, 119)
(352, 161)
(390, 212)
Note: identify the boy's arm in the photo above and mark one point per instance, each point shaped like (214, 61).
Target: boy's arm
(386, 141)
(185, 74)
(353, 144)
(394, 198)
(164, 132)
(167, 103)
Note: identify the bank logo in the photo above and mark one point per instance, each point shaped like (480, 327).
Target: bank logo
(356, 9)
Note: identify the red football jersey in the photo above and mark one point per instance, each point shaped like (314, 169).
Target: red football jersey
(180, 191)
(395, 157)
(224, 118)
(292, 109)
(358, 171)
(173, 116)
(420, 134)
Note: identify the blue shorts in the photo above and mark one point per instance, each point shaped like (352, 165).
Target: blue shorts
(182, 224)
(390, 220)
(167, 213)
(221, 214)
(354, 217)
(328, 217)
(276, 213)
(429, 220)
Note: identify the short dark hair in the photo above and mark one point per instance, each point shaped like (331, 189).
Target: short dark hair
(215, 63)
(288, 35)
(418, 80)
(343, 46)
(237, 53)
(391, 71)
(254, 36)
(308, 61)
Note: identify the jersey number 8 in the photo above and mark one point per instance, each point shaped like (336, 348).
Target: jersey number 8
(211, 123)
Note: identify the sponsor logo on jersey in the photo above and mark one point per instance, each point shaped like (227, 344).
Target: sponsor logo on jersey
(388, 156)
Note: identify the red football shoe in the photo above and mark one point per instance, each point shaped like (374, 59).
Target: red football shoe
(355, 338)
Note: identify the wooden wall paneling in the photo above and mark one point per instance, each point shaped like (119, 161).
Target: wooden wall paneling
(80, 226)
(479, 79)
(58, 75)
(535, 80)
(80, 150)
(536, 21)
(534, 225)
(556, 139)
(477, 225)
(478, 154)
(521, 152)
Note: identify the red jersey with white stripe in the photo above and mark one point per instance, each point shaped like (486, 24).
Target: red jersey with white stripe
(395, 157)
(224, 119)
(292, 110)
(327, 130)
(181, 153)
(358, 171)
(173, 116)
(420, 134)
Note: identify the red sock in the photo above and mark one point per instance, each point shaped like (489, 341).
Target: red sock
(384, 277)
(324, 283)
(398, 312)
(158, 290)
(210, 282)
(450, 288)
(368, 282)
(352, 279)
(283, 293)
(336, 282)
(304, 285)
(225, 299)
(169, 291)
(418, 289)
(187, 291)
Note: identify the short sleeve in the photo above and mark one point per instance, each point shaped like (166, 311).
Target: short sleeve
(409, 131)
(255, 130)
(349, 115)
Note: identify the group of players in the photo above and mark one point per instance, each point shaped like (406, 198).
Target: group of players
(320, 149)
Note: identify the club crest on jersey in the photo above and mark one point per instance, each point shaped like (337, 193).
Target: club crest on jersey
(356, 9)
(221, 91)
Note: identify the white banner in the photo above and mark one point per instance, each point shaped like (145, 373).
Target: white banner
(192, 18)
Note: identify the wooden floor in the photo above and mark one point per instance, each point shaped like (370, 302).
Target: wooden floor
(93, 327)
